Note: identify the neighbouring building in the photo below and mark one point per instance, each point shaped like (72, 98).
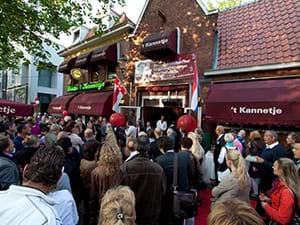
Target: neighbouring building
(256, 80)
(89, 68)
(26, 82)
(173, 40)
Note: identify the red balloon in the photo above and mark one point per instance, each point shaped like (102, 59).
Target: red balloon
(117, 119)
(187, 123)
(36, 98)
(65, 113)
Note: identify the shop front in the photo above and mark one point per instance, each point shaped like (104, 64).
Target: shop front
(163, 88)
(268, 103)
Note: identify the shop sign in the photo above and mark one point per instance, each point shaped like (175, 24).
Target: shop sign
(183, 67)
(85, 86)
(254, 110)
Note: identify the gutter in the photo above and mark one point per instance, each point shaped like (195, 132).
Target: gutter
(218, 72)
(96, 40)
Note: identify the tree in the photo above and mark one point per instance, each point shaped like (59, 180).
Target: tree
(26, 24)
(224, 4)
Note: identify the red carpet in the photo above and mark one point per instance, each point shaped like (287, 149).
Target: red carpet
(204, 208)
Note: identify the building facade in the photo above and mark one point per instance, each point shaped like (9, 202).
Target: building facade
(89, 69)
(256, 80)
(26, 82)
(173, 40)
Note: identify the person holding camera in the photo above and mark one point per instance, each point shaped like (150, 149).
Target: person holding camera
(280, 204)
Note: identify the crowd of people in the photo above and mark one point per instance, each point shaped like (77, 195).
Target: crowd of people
(65, 171)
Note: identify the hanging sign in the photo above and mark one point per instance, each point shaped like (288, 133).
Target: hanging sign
(85, 86)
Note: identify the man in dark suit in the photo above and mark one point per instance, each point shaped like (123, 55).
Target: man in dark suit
(269, 155)
(185, 176)
(148, 182)
(220, 142)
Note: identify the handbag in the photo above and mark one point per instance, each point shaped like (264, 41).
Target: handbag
(296, 218)
(184, 202)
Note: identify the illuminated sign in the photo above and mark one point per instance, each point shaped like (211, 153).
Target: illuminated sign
(85, 86)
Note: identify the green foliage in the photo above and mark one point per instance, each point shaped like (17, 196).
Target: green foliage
(26, 24)
(224, 4)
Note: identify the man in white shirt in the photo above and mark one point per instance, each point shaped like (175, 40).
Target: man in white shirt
(162, 124)
(76, 139)
(29, 204)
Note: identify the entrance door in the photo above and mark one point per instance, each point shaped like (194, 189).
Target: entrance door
(153, 114)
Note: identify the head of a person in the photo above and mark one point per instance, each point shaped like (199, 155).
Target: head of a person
(287, 172)
(10, 126)
(45, 167)
(142, 145)
(131, 145)
(66, 144)
(164, 144)
(228, 137)
(162, 118)
(31, 141)
(290, 139)
(90, 125)
(170, 131)
(186, 143)
(157, 132)
(6, 145)
(118, 207)
(233, 212)
(296, 147)
(234, 133)
(76, 130)
(254, 135)
(199, 132)
(91, 150)
(23, 128)
(220, 130)
(150, 133)
(55, 128)
(148, 124)
(236, 162)
(88, 133)
(270, 137)
(242, 133)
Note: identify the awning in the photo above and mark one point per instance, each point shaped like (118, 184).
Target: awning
(59, 104)
(106, 53)
(165, 43)
(67, 65)
(82, 61)
(11, 108)
(99, 103)
(265, 102)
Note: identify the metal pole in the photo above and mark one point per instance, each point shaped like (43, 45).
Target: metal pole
(130, 92)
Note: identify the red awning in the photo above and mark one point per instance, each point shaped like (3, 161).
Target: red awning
(67, 66)
(108, 52)
(82, 61)
(265, 102)
(59, 104)
(11, 108)
(99, 103)
(160, 43)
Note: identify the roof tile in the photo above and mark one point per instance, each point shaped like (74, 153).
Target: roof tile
(263, 32)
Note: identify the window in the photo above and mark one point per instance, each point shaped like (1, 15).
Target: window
(76, 36)
(111, 70)
(45, 78)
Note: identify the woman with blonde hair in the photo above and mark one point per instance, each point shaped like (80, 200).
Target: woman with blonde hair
(196, 148)
(237, 183)
(118, 207)
(234, 212)
(281, 207)
(106, 175)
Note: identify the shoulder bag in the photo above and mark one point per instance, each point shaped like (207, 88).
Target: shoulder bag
(184, 202)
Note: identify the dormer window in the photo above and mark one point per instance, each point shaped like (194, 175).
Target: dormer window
(76, 36)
